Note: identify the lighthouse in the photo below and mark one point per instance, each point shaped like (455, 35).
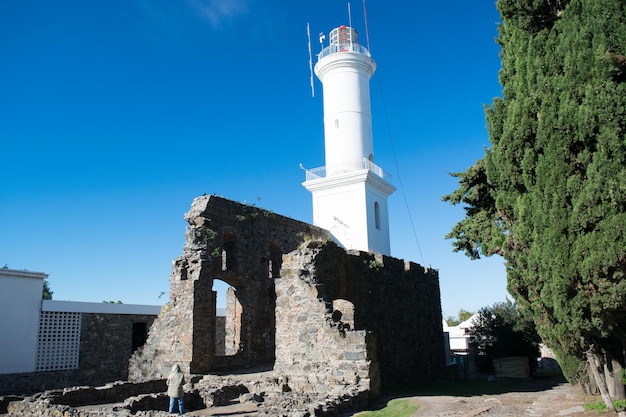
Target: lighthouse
(350, 192)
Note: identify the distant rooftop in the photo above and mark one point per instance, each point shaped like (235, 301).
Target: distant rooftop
(22, 273)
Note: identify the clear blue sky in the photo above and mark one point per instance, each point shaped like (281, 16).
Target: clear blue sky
(115, 114)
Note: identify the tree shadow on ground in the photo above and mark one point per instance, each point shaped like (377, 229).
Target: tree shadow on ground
(476, 388)
(463, 388)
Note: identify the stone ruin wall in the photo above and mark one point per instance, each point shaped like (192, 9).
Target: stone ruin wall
(318, 353)
(243, 246)
(323, 317)
(356, 318)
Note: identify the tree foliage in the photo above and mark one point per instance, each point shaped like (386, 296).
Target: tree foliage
(461, 317)
(550, 193)
(47, 292)
(500, 331)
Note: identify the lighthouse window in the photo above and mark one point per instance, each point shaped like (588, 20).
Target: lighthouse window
(336, 123)
(377, 215)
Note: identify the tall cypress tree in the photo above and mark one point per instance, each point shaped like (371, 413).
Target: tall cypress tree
(550, 193)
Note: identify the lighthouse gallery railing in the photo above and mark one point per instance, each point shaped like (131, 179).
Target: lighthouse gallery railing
(317, 173)
(348, 47)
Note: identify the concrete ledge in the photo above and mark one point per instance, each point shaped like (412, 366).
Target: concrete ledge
(107, 308)
(14, 273)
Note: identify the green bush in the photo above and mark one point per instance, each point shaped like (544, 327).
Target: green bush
(500, 331)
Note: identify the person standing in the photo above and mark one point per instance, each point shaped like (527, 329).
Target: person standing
(175, 382)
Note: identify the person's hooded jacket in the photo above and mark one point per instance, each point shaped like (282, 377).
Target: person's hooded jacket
(175, 382)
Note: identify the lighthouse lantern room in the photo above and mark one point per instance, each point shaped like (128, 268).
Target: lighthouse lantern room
(350, 192)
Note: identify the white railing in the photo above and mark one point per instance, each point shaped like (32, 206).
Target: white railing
(315, 173)
(364, 163)
(348, 47)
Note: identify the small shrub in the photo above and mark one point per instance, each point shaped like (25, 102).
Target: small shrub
(209, 234)
(372, 264)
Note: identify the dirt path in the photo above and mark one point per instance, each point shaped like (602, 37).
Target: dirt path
(533, 399)
(551, 400)
(233, 410)
(557, 401)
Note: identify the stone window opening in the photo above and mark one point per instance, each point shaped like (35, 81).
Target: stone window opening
(343, 314)
(224, 260)
(229, 248)
(275, 262)
(377, 215)
(139, 335)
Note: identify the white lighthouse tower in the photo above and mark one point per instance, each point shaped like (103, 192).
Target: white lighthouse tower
(350, 192)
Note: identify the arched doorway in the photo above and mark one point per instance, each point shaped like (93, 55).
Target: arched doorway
(228, 315)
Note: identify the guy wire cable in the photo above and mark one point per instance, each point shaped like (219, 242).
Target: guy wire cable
(393, 150)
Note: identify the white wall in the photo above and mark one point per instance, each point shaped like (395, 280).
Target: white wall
(459, 334)
(378, 240)
(347, 113)
(340, 209)
(20, 303)
(344, 205)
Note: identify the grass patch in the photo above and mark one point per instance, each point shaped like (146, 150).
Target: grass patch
(394, 408)
(599, 405)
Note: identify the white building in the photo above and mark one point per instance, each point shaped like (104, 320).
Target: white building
(45, 335)
(20, 303)
(350, 192)
(460, 335)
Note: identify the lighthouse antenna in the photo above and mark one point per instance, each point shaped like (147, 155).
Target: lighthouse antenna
(349, 19)
(308, 34)
(367, 33)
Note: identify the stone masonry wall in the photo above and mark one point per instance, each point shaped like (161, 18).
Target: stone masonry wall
(29, 383)
(318, 354)
(242, 246)
(325, 318)
(220, 336)
(397, 302)
(105, 348)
